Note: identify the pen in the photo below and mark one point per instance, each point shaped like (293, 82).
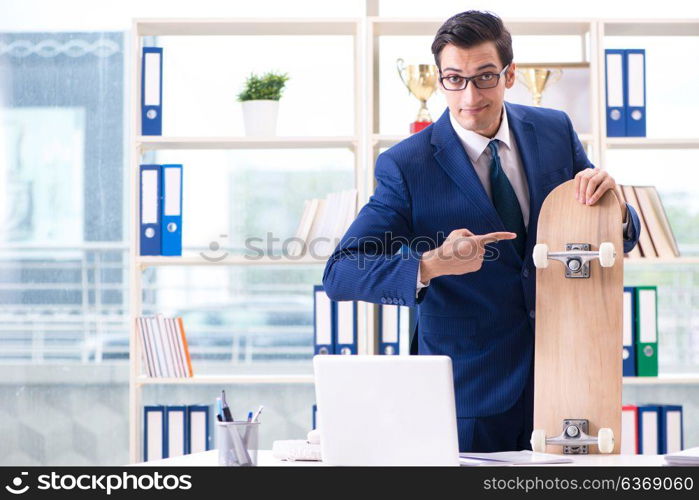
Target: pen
(249, 416)
(219, 409)
(257, 414)
(227, 417)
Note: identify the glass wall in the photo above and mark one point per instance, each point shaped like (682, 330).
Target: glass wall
(63, 251)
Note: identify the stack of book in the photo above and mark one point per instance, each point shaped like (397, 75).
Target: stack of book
(323, 223)
(657, 238)
(164, 346)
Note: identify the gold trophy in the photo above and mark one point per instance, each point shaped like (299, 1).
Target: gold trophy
(421, 81)
(537, 78)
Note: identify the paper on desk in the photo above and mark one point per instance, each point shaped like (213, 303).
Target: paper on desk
(689, 456)
(296, 449)
(523, 457)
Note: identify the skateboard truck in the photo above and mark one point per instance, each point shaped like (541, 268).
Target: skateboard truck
(576, 258)
(574, 438)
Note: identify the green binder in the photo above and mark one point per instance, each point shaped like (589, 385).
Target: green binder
(647, 331)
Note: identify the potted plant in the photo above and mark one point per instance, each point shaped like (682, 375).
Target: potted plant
(260, 102)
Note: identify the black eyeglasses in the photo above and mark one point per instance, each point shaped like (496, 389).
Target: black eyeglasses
(482, 81)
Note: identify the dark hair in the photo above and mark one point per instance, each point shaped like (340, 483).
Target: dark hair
(472, 28)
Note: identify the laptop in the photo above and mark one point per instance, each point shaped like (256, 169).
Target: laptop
(386, 410)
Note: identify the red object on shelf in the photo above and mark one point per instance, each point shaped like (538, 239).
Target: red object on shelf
(417, 126)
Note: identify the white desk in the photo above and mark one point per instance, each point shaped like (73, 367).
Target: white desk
(209, 458)
(265, 458)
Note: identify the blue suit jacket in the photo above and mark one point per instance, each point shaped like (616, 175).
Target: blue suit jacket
(427, 187)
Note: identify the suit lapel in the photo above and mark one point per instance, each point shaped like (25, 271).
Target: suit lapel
(451, 156)
(524, 133)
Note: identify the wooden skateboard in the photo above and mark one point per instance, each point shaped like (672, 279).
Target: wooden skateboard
(578, 343)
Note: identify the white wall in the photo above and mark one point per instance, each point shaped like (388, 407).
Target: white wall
(66, 15)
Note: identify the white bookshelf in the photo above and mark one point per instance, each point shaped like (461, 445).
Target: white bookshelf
(662, 261)
(651, 143)
(246, 27)
(230, 260)
(385, 26)
(154, 143)
(142, 144)
(663, 380)
(230, 379)
(365, 142)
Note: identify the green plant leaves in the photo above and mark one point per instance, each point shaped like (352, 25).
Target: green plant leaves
(267, 86)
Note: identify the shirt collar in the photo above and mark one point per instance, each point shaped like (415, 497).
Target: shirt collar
(475, 144)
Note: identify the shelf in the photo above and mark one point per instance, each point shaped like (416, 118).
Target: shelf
(383, 26)
(150, 143)
(229, 260)
(553, 65)
(228, 379)
(308, 379)
(388, 140)
(245, 27)
(649, 261)
(663, 380)
(649, 27)
(651, 143)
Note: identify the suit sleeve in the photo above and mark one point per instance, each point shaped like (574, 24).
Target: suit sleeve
(373, 261)
(580, 162)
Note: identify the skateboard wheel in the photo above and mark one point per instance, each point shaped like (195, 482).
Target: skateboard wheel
(541, 255)
(605, 440)
(538, 440)
(606, 254)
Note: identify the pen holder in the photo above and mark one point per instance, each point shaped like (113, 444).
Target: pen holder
(237, 443)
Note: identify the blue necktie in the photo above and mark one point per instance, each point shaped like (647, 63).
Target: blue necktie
(505, 200)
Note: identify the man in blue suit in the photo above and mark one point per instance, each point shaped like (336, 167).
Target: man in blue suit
(478, 175)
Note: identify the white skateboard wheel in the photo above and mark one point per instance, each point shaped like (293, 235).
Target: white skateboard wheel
(606, 254)
(541, 255)
(538, 440)
(605, 440)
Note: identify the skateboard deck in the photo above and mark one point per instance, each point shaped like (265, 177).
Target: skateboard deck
(578, 341)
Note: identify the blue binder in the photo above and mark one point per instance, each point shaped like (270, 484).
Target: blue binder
(175, 431)
(648, 430)
(152, 91)
(394, 329)
(635, 69)
(198, 428)
(671, 425)
(629, 333)
(154, 436)
(171, 210)
(346, 327)
(615, 92)
(324, 322)
(150, 216)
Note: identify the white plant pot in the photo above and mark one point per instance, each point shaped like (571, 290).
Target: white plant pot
(260, 117)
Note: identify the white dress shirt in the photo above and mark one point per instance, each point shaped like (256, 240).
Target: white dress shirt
(478, 152)
(476, 147)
